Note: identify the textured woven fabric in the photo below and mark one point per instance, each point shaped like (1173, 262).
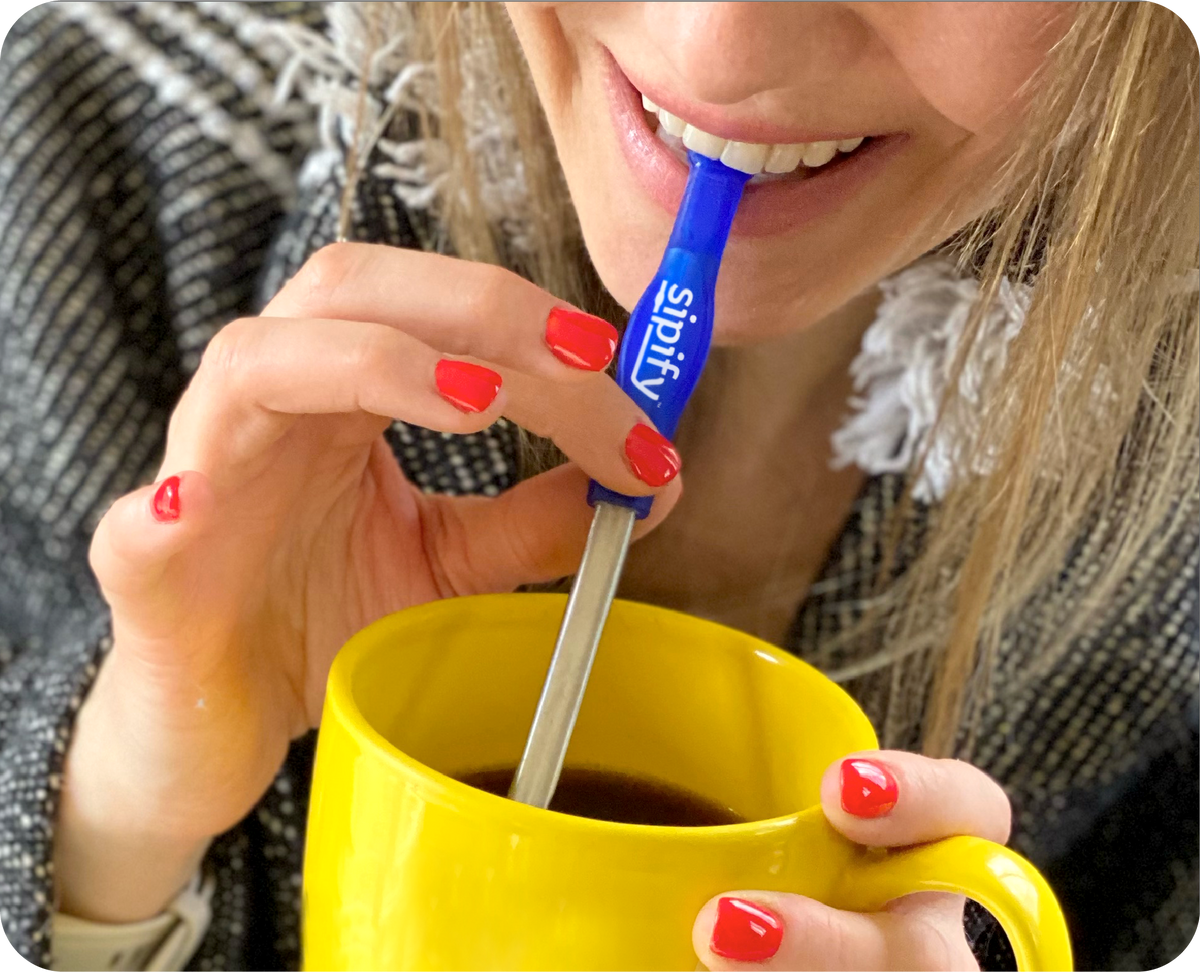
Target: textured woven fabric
(150, 192)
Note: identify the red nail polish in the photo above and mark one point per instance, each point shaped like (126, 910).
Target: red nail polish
(651, 456)
(745, 932)
(165, 505)
(580, 340)
(868, 788)
(468, 387)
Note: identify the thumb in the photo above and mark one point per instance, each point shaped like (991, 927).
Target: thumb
(531, 534)
(768, 930)
(138, 541)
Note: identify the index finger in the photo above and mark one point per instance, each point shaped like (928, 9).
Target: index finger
(889, 798)
(456, 306)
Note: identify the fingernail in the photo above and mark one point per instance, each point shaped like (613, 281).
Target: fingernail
(581, 340)
(468, 387)
(165, 505)
(745, 932)
(651, 456)
(868, 788)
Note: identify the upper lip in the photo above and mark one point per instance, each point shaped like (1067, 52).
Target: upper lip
(716, 121)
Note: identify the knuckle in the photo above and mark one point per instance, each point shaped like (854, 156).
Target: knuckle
(489, 291)
(371, 356)
(226, 356)
(322, 274)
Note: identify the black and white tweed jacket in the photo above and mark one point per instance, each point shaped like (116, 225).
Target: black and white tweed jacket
(150, 191)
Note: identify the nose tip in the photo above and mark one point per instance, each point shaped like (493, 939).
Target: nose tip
(725, 53)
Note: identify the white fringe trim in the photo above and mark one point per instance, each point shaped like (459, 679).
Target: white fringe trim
(902, 371)
(327, 72)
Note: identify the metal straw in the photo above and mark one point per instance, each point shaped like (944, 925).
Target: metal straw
(587, 609)
(663, 351)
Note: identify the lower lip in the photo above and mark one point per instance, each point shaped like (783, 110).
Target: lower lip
(767, 208)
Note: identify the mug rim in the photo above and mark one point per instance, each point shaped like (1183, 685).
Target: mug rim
(341, 704)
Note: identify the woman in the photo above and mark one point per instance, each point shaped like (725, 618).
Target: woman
(966, 489)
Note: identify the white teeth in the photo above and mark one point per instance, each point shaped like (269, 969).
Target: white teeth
(671, 124)
(702, 142)
(750, 157)
(783, 158)
(818, 153)
(745, 156)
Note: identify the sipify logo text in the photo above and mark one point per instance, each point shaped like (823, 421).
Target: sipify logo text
(659, 356)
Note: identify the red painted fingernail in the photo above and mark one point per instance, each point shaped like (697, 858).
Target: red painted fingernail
(468, 387)
(745, 932)
(581, 340)
(868, 788)
(651, 456)
(165, 505)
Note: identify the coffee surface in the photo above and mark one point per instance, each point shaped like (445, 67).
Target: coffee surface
(605, 795)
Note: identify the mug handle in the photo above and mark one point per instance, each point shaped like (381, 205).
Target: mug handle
(999, 879)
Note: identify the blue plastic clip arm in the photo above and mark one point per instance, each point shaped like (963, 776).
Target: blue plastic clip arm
(666, 342)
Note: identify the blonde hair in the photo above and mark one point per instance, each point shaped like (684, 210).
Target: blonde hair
(1092, 430)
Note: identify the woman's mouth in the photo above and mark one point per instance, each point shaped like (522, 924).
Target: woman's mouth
(754, 158)
(792, 182)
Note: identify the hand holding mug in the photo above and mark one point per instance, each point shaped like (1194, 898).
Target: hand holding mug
(408, 867)
(876, 799)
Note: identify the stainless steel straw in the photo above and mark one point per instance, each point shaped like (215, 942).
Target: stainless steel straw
(562, 694)
(662, 354)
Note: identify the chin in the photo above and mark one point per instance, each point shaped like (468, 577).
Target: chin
(625, 260)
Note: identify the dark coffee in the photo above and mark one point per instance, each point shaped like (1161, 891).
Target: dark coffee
(604, 795)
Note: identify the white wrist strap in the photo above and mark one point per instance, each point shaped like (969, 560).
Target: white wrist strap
(164, 943)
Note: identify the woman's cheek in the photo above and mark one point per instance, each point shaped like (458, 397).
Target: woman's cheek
(969, 60)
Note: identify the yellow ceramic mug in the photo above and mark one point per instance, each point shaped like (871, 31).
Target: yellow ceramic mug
(407, 868)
